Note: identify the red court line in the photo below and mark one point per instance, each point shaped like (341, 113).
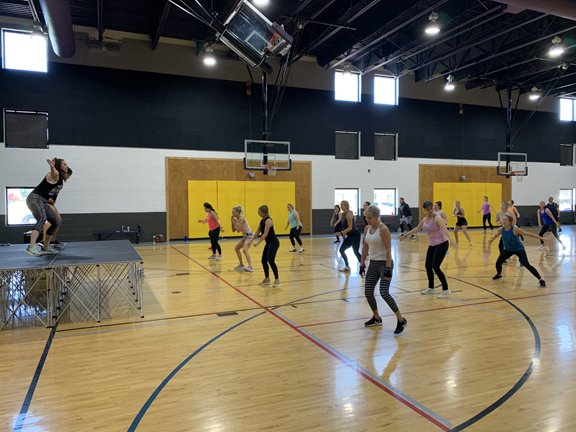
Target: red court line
(440, 308)
(327, 349)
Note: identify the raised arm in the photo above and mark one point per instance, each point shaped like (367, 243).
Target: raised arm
(413, 230)
(53, 175)
(519, 231)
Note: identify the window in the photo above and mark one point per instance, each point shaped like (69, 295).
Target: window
(385, 90)
(347, 86)
(566, 199)
(567, 109)
(17, 212)
(24, 51)
(350, 195)
(385, 200)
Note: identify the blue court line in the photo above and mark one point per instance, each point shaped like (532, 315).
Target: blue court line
(32, 388)
(353, 364)
(177, 369)
(527, 373)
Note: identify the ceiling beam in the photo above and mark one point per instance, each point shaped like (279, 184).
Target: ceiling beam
(100, 19)
(161, 23)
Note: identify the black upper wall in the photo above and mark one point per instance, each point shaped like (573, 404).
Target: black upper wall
(110, 107)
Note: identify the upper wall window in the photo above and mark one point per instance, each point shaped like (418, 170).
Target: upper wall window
(567, 109)
(385, 90)
(347, 86)
(24, 50)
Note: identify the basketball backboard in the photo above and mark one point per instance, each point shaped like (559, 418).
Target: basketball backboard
(512, 164)
(266, 155)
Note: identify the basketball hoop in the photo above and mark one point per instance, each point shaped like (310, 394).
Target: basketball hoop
(271, 169)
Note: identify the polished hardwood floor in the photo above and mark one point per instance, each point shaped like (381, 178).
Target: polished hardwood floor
(218, 352)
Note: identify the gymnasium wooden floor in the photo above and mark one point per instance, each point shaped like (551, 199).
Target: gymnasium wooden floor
(217, 352)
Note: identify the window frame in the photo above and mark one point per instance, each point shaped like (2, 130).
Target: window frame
(340, 73)
(31, 35)
(351, 206)
(394, 204)
(571, 192)
(378, 78)
(572, 116)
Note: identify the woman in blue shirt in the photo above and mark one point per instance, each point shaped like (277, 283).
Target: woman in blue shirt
(513, 246)
(295, 228)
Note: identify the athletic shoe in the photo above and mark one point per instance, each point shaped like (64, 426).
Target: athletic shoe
(212, 257)
(292, 250)
(239, 268)
(428, 291)
(219, 258)
(50, 251)
(444, 294)
(400, 325)
(345, 269)
(336, 241)
(35, 250)
(248, 269)
(301, 250)
(266, 281)
(498, 276)
(372, 322)
(276, 283)
(542, 283)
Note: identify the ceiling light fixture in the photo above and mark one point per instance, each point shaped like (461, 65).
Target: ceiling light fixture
(261, 3)
(535, 93)
(209, 59)
(556, 50)
(449, 86)
(432, 29)
(347, 69)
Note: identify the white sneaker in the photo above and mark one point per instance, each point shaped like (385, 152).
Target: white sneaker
(428, 291)
(292, 250)
(276, 283)
(213, 257)
(248, 269)
(50, 251)
(35, 250)
(444, 294)
(239, 268)
(301, 250)
(345, 269)
(266, 281)
(219, 258)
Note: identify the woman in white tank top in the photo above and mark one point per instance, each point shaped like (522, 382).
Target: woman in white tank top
(377, 246)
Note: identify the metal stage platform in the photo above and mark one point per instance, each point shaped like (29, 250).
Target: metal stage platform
(84, 281)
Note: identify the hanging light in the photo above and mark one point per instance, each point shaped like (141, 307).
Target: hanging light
(38, 31)
(209, 59)
(449, 86)
(347, 69)
(556, 50)
(535, 93)
(261, 3)
(432, 28)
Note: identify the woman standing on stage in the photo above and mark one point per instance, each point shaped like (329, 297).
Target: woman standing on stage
(40, 202)
(214, 228)
(377, 247)
(439, 238)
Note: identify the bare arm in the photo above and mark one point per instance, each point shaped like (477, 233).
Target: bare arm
(364, 248)
(442, 224)
(539, 217)
(350, 219)
(53, 176)
(549, 213)
(496, 235)
(413, 230)
(519, 231)
(386, 238)
(267, 226)
(297, 216)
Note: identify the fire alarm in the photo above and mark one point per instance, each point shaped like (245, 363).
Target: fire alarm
(369, 170)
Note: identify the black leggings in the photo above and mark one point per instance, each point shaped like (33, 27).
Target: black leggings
(268, 257)
(214, 234)
(352, 239)
(546, 228)
(295, 234)
(434, 257)
(374, 274)
(487, 218)
(522, 257)
(42, 212)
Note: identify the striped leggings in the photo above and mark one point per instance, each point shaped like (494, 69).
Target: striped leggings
(374, 274)
(42, 212)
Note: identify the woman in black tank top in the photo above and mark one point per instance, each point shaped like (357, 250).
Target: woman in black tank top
(266, 232)
(350, 234)
(41, 203)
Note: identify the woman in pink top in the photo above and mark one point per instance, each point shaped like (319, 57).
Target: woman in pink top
(439, 238)
(215, 228)
(240, 224)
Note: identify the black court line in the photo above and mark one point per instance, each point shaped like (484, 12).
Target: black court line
(523, 379)
(32, 388)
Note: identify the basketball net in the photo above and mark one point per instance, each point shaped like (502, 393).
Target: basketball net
(271, 169)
